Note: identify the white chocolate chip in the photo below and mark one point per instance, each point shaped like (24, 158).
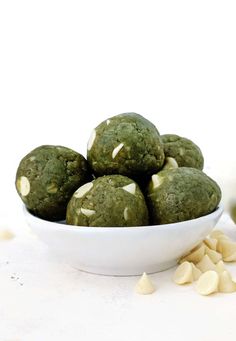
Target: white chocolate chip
(170, 163)
(6, 235)
(81, 191)
(196, 255)
(208, 283)
(126, 213)
(211, 243)
(23, 186)
(181, 152)
(32, 158)
(131, 188)
(220, 267)
(225, 282)
(117, 149)
(144, 285)
(196, 272)
(52, 188)
(231, 258)
(87, 212)
(226, 247)
(91, 139)
(197, 247)
(216, 233)
(223, 237)
(206, 264)
(184, 273)
(214, 255)
(156, 180)
(108, 122)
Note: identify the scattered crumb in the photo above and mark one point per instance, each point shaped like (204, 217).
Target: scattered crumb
(16, 278)
(6, 235)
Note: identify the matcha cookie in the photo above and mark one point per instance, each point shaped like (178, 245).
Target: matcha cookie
(184, 151)
(181, 194)
(126, 144)
(47, 177)
(108, 201)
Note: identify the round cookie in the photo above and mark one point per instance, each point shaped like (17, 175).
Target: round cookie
(108, 201)
(126, 144)
(180, 194)
(47, 177)
(184, 151)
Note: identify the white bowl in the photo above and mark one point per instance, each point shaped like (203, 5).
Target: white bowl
(123, 251)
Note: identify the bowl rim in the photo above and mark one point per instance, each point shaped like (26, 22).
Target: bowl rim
(73, 228)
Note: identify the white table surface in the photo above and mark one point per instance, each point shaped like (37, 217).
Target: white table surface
(42, 300)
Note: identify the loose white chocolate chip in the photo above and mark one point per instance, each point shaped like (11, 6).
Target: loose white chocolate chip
(126, 213)
(108, 122)
(131, 188)
(222, 237)
(117, 149)
(144, 285)
(220, 267)
(226, 247)
(87, 212)
(23, 186)
(83, 190)
(210, 270)
(183, 274)
(6, 235)
(196, 272)
(197, 247)
(219, 246)
(211, 243)
(206, 264)
(182, 259)
(208, 283)
(196, 255)
(156, 180)
(214, 255)
(216, 233)
(91, 139)
(231, 258)
(225, 282)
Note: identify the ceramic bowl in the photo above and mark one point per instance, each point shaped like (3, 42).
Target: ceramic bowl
(123, 251)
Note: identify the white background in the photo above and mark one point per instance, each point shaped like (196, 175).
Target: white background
(67, 65)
